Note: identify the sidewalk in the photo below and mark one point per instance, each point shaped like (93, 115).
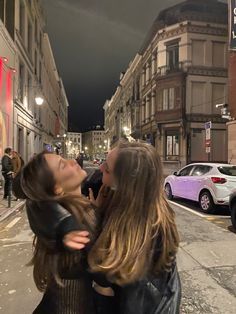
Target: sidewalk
(207, 266)
(4, 210)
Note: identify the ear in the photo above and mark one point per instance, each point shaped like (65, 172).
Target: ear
(58, 190)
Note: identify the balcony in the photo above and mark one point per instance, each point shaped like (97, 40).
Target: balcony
(174, 68)
(188, 67)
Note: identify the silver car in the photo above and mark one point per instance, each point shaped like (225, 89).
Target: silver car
(209, 184)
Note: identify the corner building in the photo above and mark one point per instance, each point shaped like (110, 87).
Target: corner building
(184, 75)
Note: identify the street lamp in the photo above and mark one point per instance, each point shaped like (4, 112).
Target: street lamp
(39, 100)
(126, 129)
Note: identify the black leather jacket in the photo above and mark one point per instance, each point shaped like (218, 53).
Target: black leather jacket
(159, 295)
(50, 220)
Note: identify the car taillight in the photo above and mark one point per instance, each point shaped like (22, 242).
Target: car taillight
(218, 180)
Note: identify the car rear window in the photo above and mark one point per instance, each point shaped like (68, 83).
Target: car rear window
(228, 170)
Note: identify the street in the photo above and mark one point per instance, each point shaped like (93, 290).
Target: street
(206, 261)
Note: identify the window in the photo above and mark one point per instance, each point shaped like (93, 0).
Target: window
(172, 55)
(10, 17)
(2, 8)
(22, 20)
(172, 145)
(198, 52)
(29, 96)
(21, 82)
(40, 72)
(35, 63)
(30, 39)
(36, 30)
(218, 54)
(166, 99)
(186, 171)
(198, 102)
(228, 170)
(200, 170)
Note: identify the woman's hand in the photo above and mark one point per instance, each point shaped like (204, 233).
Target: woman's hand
(76, 240)
(102, 194)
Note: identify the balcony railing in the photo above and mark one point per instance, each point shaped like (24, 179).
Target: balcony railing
(178, 67)
(187, 66)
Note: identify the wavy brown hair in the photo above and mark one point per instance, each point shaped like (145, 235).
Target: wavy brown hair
(38, 185)
(139, 235)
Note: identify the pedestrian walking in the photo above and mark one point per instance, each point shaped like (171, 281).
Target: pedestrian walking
(7, 171)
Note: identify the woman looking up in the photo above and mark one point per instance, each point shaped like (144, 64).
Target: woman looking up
(49, 180)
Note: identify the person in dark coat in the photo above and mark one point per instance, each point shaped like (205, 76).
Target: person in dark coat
(7, 171)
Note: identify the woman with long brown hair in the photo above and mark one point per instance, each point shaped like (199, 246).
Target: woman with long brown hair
(137, 246)
(48, 180)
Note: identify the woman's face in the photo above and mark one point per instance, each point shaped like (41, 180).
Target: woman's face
(108, 166)
(67, 173)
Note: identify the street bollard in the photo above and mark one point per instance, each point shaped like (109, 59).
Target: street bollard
(9, 197)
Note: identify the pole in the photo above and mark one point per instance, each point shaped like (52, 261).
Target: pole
(10, 191)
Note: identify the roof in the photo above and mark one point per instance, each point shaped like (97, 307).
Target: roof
(211, 11)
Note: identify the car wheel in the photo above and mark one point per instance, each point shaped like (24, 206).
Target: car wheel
(233, 215)
(206, 202)
(168, 191)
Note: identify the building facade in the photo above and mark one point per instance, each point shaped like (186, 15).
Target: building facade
(182, 76)
(122, 110)
(34, 127)
(73, 144)
(7, 76)
(231, 125)
(94, 143)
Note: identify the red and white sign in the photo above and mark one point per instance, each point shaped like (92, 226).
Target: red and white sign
(208, 137)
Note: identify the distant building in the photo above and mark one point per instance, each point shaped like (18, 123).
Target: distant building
(31, 127)
(94, 143)
(73, 144)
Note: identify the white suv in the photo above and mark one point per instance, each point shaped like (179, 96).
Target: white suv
(206, 183)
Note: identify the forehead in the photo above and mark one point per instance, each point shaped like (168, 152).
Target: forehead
(52, 159)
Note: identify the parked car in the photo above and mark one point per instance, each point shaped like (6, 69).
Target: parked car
(232, 207)
(207, 183)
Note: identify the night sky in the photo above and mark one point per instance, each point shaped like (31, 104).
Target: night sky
(93, 41)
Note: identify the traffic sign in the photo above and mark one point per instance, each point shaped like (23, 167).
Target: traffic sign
(208, 126)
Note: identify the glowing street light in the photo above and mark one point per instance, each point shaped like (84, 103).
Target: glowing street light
(39, 100)
(126, 129)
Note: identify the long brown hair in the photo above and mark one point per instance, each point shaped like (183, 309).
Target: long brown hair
(38, 184)
(139, 235)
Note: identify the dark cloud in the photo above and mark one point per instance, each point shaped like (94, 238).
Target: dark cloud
(93, 41)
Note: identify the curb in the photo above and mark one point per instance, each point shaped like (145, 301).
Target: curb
(10, 211)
